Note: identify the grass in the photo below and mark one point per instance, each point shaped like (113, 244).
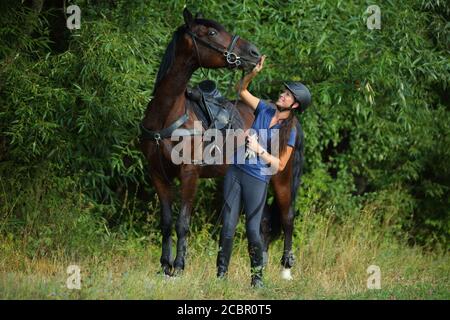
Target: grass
(44, 229)
(332, 260)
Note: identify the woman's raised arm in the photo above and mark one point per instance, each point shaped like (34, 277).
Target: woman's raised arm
(245, 95)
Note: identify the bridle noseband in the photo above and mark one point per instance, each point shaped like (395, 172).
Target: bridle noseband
(232, 58)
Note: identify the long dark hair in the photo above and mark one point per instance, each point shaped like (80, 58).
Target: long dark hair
(285, 132)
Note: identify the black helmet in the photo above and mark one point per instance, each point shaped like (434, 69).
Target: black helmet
(301, 94)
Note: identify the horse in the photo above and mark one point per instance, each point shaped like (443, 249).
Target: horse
(204, 43)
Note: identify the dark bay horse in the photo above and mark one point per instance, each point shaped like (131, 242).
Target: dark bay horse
(204, 43)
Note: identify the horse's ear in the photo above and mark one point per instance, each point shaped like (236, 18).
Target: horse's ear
(199, 15)
(188, 18)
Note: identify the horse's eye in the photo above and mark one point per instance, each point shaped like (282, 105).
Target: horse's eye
(212, 33)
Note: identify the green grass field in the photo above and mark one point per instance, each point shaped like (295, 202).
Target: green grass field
(331, 263)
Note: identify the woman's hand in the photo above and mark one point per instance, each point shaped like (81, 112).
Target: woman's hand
(259, 65)
(252, 143)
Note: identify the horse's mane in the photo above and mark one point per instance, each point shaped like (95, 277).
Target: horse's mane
(168, 57)
(169, 54)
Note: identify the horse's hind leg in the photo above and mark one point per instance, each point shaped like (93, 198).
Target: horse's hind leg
(189, 177)
(165, 198)
(266, 231)
(282, 195)
(287, 261)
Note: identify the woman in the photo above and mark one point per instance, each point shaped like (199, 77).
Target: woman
(249, 181)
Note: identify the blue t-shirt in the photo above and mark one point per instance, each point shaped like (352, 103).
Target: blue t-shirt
(258, 167)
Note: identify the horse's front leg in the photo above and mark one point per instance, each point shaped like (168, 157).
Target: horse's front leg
(165, 197)
(189, 176)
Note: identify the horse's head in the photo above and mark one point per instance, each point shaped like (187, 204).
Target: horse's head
(214, 47)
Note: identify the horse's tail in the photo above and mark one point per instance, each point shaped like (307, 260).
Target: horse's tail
(272, 224)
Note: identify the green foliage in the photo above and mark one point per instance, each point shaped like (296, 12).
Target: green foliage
(377, 132)
(50, 217)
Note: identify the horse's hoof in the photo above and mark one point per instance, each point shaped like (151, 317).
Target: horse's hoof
(177, 273)
(165, 271)
(286, 274)
(162, 274)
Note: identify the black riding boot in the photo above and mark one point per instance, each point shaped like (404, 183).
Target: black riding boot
(223, 257)
(256, 262)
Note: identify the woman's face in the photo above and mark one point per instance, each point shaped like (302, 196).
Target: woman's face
(286, 99)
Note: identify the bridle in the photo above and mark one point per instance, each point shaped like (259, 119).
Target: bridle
(231, 58)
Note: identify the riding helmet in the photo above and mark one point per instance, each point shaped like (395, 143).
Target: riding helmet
(301, 94)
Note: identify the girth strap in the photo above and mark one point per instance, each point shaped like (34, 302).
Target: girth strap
(167, 132)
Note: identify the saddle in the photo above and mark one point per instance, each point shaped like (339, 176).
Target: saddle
(210, 106)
